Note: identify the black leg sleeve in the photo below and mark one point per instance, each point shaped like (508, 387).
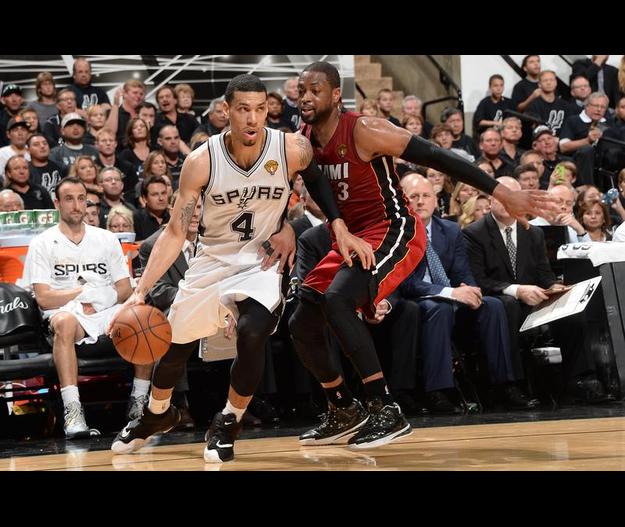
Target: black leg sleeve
(254, 326)
(172, 366)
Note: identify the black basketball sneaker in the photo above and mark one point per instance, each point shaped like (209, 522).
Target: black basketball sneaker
(221, 436)
(386, 423)
(336, 425)
(137, 432)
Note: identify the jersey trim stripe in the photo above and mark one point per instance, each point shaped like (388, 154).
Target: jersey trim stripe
(284, 160)
(212, 159)
(397, 215)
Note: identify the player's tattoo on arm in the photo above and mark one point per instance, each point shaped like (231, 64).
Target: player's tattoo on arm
(187, 213)
(304, 150)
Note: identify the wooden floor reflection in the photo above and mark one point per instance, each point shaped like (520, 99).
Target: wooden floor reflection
(580, 444)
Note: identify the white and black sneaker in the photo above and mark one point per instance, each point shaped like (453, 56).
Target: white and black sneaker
(337, 425)
(75, 426)
(221, 435)
(135, 434)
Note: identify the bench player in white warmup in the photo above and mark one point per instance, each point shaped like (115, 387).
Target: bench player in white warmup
(243, 175)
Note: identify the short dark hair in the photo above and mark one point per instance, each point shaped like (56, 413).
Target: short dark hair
(36, 134)
(244, 83)
(521, 169)
(69, 180)
(151, 181)
(145, 104)
(496, 76)
(526, 58)
(331, 73)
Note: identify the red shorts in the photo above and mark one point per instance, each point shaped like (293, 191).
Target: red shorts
(398, 247)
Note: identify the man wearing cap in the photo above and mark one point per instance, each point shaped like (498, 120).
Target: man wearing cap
(87, 95)
(546, 144)
(73, 129)
(12, 100)
(17, 133)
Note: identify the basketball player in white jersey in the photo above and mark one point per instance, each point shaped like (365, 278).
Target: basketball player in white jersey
(79, 274)
(243, 175)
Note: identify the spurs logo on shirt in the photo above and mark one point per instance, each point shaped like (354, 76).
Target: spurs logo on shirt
(243, 208)
(55, 260)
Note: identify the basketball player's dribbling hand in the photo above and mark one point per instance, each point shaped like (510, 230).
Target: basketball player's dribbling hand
(136, 299)
(281, 246)
(351, 246)
(519, 203)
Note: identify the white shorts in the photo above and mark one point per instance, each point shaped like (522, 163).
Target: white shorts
(209, 292)
(94, 325)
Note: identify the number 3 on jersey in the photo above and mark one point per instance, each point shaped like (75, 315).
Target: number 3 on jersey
(244, 225)
(343, 191)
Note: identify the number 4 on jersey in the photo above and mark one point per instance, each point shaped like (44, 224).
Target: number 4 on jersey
(244, 224)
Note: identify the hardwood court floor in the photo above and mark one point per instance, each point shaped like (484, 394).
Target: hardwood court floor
(577, 444)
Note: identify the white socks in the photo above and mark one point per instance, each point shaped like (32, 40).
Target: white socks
(238, 412)
(159, 406)
(140, 387)
(69, 394)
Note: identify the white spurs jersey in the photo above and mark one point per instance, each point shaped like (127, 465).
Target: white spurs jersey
(243, 208)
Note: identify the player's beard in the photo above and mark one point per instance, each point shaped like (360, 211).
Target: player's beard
(74, 220)
(319, 115)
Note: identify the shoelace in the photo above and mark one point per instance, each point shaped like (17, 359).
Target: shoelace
(74, 413)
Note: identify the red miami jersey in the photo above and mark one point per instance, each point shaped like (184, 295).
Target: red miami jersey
(374, 208)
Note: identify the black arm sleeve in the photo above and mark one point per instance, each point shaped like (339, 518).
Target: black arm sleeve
(320, 190)
(422, 152)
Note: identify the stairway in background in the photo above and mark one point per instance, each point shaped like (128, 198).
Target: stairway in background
(368, 76)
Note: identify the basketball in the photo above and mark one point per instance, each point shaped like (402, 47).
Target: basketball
(141, 334)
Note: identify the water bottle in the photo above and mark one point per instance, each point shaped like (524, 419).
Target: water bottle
(610, 196)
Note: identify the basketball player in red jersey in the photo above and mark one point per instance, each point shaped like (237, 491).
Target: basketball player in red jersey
(356, 153)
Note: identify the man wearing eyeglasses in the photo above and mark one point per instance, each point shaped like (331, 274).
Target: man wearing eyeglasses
(581, 132)
(111, 180)
(66, 104)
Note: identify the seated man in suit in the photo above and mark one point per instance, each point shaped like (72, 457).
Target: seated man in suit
(511, 263)
(446, 293)
(565, 198)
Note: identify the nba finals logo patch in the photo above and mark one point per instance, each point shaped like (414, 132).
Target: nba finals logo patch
(271, 166)
(342, 150)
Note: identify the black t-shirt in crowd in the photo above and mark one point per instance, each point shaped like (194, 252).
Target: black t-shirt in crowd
(521, 91)
(47, 176)
(87, 96)
(467, 144)
(36, 197)
(291, 114)
(122, 122)
(185, 122)
(176, 169)
(127, 155)
(574, 128)
(552, 113)
(130, 177)
(487, 110)
(146, 224)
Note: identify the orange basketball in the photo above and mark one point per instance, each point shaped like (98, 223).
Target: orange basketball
(141, 334)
